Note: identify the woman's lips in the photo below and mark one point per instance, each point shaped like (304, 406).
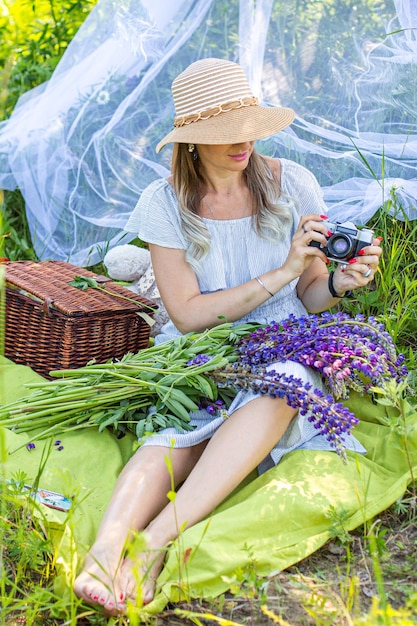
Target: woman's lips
(239, 157)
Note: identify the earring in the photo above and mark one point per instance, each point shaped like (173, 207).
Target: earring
(191, 149)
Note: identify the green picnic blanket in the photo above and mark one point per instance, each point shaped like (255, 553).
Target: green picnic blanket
(271, 522)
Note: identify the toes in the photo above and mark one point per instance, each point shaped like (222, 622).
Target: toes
(89, 591)
(116, 603)
(128, 586)
(107, 602)
(114, 609)
(142, 591)
(86, 592)
(99, 596)
(148, 590)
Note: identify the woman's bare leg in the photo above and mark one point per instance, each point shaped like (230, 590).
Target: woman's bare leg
(237, 447)
(139, 495)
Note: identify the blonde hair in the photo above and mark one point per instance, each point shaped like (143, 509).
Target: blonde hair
(272, 213)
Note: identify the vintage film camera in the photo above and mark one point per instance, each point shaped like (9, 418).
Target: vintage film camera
(345, 241)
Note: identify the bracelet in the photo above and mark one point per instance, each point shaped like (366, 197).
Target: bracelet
(333, 291)
(264, 286)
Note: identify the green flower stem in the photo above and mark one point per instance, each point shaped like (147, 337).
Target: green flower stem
(54, 428)
(63, 398)
(84, 282)
(91, 400)
(53, 405)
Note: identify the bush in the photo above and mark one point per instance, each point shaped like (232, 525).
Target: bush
(35, 35)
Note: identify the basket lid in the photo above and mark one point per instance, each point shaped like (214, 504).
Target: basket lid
(49, 281)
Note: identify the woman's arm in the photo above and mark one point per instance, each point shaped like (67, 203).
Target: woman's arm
(192, 311)
(313, 288)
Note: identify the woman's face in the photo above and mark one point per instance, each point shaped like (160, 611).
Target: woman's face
(231, 157)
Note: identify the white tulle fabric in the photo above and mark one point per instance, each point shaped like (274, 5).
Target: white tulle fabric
(81, 147)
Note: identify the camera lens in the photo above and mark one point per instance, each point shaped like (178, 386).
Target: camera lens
(339, 246)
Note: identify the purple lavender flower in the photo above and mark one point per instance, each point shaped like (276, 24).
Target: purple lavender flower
(213, 408)
(199, 359)
(350, 352)
(332, 419)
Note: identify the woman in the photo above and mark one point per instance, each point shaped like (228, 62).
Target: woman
(229, 236)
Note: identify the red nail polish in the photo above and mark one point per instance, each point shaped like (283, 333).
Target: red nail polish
(380, 238)
(329, 233)
(352, 261)
(324, 217)
(361, 251)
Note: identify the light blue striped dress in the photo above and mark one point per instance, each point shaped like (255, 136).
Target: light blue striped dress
(237, 254)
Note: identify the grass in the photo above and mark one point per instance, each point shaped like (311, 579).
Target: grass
(351, 580)
(393, 296)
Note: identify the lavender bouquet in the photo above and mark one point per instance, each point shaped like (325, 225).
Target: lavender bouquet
(159, 386)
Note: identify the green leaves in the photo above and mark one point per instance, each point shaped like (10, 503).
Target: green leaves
(34, 37)
(144, 392)
(84, 282)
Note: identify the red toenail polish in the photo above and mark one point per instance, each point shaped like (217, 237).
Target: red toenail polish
(95, 597)
(121, 597)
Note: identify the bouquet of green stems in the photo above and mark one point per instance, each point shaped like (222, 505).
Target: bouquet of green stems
(159, 386)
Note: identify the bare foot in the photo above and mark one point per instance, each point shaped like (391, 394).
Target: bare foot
(141, 574)
(97, 585)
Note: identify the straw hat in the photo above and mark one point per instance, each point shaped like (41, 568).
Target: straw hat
(215, 105)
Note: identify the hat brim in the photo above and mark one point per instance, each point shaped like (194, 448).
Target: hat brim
(244, 124)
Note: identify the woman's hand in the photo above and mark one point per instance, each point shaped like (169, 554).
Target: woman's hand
(360, 270)
(312, 228)
(312, 286)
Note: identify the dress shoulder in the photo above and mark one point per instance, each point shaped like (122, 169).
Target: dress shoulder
(302, 186)
(155, 218)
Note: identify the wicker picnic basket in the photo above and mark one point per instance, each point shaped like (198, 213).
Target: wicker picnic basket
(52, 325)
